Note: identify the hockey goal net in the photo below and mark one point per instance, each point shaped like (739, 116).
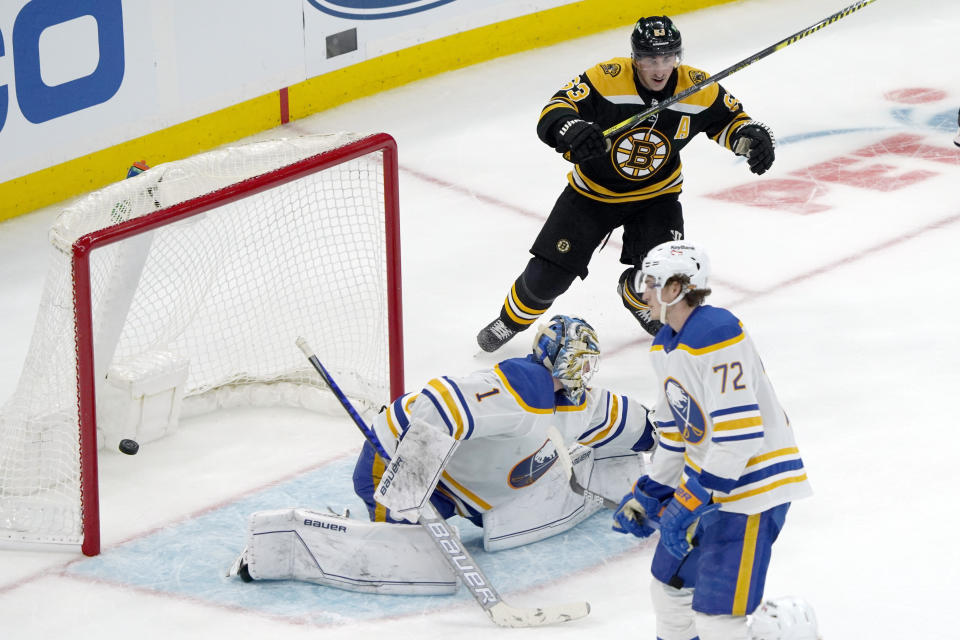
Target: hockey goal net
(187, 286)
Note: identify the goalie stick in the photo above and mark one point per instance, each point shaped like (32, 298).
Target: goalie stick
(563, 457)
(632, 121)
(453, 552)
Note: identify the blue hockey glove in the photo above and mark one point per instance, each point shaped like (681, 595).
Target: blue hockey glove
(690, 502)
(639, 510)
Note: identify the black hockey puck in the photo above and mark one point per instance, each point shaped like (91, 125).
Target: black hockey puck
(129, 447)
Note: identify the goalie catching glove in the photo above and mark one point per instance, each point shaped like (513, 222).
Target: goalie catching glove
(583, 140)
(755, 141)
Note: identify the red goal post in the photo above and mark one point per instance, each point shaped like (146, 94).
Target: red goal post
(204, 290)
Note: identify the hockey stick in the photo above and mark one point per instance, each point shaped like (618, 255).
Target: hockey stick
(563, 457)
(643, 115)
(456, 556)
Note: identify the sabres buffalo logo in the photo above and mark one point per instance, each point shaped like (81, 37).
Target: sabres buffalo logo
(532, 468)
(685, 411)
(612, 69)
(640, 153)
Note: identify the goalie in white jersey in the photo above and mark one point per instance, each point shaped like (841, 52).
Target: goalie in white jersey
(475, 446)
(727, 468)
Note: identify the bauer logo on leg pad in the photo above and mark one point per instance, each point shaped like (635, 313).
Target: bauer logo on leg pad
(324, 525)
(390, 474)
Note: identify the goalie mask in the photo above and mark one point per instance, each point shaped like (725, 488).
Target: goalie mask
(674, 258)
(569, 348)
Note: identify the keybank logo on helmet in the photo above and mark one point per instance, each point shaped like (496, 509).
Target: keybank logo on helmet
(40, 48)
(374, 9)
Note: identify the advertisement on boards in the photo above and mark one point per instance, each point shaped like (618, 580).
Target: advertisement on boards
(339, 33)
(80, 76)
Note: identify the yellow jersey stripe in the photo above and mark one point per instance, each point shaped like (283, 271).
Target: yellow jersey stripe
(452, 407)
(772, 454)
(393, 427)
(742, 423)
(712, 347)
(759, 490)
(646, 191)
(611, 419)
(469, 494)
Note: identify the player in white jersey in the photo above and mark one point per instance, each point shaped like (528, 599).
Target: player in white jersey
(499, 418)
(727, 467)
(475, 446)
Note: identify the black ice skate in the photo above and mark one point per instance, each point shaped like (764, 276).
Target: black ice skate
(495, 335)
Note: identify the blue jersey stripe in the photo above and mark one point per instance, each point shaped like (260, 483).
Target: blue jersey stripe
(606, 415)
(440, 409)
(744, 436)
(464, 406)
(742, 408)
(768, 472)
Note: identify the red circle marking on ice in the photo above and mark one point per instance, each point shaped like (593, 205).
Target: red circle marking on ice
(915, 95)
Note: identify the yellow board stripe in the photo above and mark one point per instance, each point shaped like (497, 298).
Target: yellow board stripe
(741, 423)
(742, 593)
(540, 29)
(452, 407)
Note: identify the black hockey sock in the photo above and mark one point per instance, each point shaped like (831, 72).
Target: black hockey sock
(521, 308)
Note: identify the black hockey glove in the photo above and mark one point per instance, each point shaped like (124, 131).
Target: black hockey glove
(584, 140)
(755, 140)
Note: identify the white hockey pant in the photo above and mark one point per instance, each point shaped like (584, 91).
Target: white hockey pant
(356, 555)
(676, 619)
(550, 506)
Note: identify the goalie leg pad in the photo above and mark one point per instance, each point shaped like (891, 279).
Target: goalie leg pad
(543, 509)
(613, 477)
(371, 557)
(414, 470)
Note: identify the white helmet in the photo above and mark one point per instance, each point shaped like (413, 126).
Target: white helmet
(674, 258)
(786, 618)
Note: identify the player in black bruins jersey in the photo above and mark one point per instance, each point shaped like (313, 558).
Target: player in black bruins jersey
(632, 180)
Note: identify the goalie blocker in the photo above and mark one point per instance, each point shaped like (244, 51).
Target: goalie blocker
(388, 558)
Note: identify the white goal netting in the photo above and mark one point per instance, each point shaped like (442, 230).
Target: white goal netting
(201, 310)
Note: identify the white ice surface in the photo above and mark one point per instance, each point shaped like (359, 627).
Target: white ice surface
(850, 306)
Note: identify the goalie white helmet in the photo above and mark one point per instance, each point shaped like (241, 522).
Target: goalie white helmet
(786, 618)
(674, 258)
(570, 349)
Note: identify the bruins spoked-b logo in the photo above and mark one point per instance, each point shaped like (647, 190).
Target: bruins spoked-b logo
(685, 411)
(531, 468)
(640, 153)
(563, 245)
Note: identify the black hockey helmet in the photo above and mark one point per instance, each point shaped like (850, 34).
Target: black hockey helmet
(655, 36)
